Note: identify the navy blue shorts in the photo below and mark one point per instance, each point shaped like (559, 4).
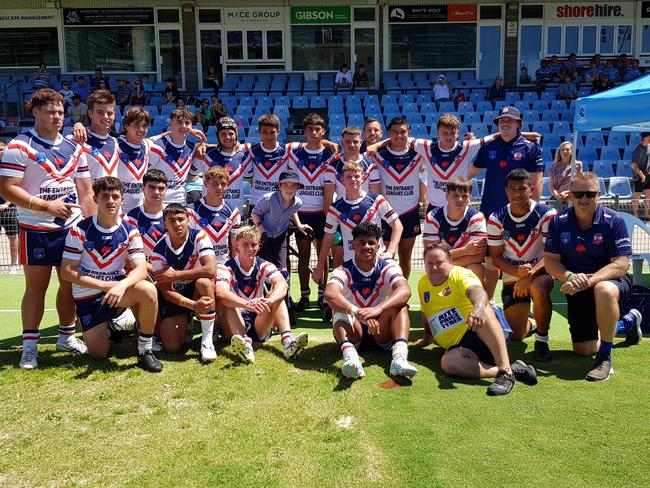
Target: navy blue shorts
(249, 323)
(473, 342)
(315, 220)
(369, 343)
(509, 300)
(166, 309)
(42, 248)
(92, 312)
(411, 223)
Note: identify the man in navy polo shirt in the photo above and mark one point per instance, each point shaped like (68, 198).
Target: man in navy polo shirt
(588, 246)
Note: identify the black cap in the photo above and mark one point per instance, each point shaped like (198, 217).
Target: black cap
(289, 177)
(645, 134)
(510, 112)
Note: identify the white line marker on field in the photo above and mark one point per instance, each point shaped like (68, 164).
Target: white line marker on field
(18, 311)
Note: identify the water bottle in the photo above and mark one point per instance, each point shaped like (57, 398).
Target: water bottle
(69, 198)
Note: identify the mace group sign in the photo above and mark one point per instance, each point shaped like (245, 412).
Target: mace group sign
(591, 10)
(320, 15)
(260, 15)
(432, 13)
(42, 17)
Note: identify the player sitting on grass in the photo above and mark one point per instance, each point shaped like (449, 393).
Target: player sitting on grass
(252, 292)
(368, 296)
(455, 310)
(96, 253)
(184, 265)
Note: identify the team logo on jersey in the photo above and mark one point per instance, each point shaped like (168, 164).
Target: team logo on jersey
(444, 164)
(39, 252)
(565, 237)
(89, 245)
(343, 217)
(580, 248)
(94, 152)
(426, 296)
(452, 239)
(365, 291)
(356, 218)
(248, 289)
(598, 239)
(521, 237)
(492, 154)
(169, 158)
(40, 157)
(503, 164)
(204, 222)
(124, 158)
(506, 234)
(517, 156)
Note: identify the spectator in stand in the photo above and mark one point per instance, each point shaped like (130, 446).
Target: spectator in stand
(41, 78)
(601, 86)
(556, 68)
(102, 85)
(612, 72)
(180, 102)
(343, 78)
(460, 97)
(597, 59)
(218, 108)
(98, 77)
(82, 89)
(360, 78)
(497, 91)
(592, 75)
(560, 172)
(78, 110)
(632, 72)
(641, 175)
(567, 90)
(571, 66)
(144, 79)
(67, 93)
(171, 92)
(543, 75)
(622, 63)
(205, 114)
(211, 80)
(123, 95)
(441, 89)
(138, 94)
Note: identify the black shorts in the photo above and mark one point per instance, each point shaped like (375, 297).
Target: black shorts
(274, 250)
(640, 186)
(42, 248)
(473, 342)
(581, 313)
(411, 223)
(249, 323)
(509, 300)
(368, 342)
(9, 221)
(315, 220)
(167, 309)
(92, 312)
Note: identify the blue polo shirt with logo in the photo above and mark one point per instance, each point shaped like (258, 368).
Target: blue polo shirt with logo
(587, 251)
(499, 158)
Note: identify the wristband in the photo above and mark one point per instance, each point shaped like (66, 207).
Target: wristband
(569, 276)
(352, 310)
(40, 205)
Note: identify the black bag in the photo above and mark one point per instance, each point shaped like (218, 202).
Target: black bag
(640, 300)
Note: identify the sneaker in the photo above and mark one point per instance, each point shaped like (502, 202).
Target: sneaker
(601, 371)
(208, 354)
(542, 352)
(320, 301)
(399, 366)
(29, 358)
(295, 345)
(633, 334)
(301, 305)
(327, 313)
(524, 372)
(353, 370)
(502, 384)
(148, 362)
(242, 349)
(156, 344)
(72, 344)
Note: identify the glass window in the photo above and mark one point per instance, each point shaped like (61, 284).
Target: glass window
(529, 52)
(209, 16)
(571, 38)
(254, 47)
(170, 52)
(211, 51)
(274, 44)
(112, 48)
(624, 44)
(554, 40)
(364, 14)
(645, 39)
(491, 12)
(28, 47)
(410, 46)
(323, 47)
(168, 16)
(532, 11)
(589, 39)
(235, 45)
(606, 39)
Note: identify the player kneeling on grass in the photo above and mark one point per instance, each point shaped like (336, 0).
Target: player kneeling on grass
(455, 310)
(96, 252)
(252, 293)
(184, 265)
(368, 296)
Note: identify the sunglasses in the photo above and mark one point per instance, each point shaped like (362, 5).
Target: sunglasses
(581, 194)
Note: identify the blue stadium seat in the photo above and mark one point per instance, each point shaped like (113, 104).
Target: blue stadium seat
(530, 116)
(616, 139)
(546, 188)
(550, 116)
(552, 141)
(602, 188)
(546, 154)
(521, 105)
(166, 110)
(423, 98)
(472, 118)
(561, 127)
(499, 104)
(479, 130)
(623, 168)
(465, 107)
(419, 131)
(586, 154)
(428, 107)
(477, 96)
(558, 105)
(390, 82)
(336, 118)
(317, 102)
(300, 101)
(482, 106)
(620, 185)
(410, 107)
(627, 153)
(406, 98)
(539, 105)
(446, 107)
(476, 194)
(635, 139)
(530, 97)
(356, 120)
(595, 139)
(603, 169)
(512, 97)
(610, 154)
(541, 127)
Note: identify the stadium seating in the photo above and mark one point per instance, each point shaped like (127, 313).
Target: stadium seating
(620, 185)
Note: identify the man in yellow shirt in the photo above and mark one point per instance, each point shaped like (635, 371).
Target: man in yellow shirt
(455, 310)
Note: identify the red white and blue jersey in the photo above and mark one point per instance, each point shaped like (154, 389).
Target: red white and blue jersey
(349, 213)
(311, 166)
(366, 289)
(48, 170)
(133, 164)
(399, 173)
(523, 237)
(102, 155)
(441, 166)
(254, 283)
(456, 234)
(150, 226)
(175, 161)
(186, 257)
(264, 167)
(334, 174)
(218, 223)
(236, 163)
(102, 253)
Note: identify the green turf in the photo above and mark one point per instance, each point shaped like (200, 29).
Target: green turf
(74, 422)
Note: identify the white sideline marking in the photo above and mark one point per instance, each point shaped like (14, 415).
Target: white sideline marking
(16, 311)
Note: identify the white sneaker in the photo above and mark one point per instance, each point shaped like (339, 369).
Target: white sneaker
(125, 322)
(295, 345)
(29, 358)
(399, 366)
(156, 345)
(353, 369)
(242, 349)
(72, 344)
(208, 354)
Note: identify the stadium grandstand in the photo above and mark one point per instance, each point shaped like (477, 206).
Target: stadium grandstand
(285, 58)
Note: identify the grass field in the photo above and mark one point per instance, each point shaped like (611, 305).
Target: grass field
(74, 422)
